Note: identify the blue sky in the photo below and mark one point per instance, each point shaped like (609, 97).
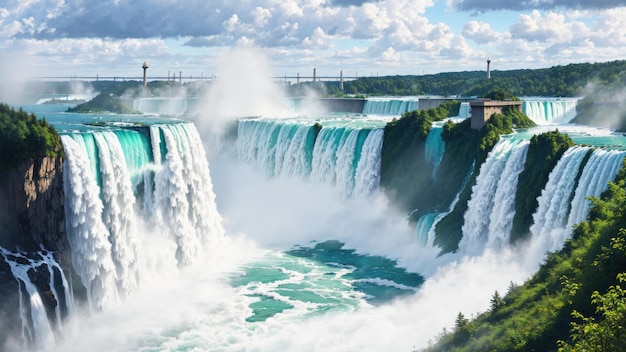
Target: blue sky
(386, 37)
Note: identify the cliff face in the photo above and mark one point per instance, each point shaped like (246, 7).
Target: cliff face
(33, 211)
(32, 216)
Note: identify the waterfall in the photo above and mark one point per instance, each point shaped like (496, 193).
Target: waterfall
(465, 110)
(367, 176)
(118, 210)
(546, 111)
(435, 147)
(86, 231)
(550, 219)
(601, 168)
(390, 106)
(117, 183)
(35, 324)
(276, 148)
(490, 211)
(345, 157)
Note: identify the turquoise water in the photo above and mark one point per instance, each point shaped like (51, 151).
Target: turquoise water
(324, 277)
(583, 135)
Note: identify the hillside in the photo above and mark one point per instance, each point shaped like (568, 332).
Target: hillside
(576, 301)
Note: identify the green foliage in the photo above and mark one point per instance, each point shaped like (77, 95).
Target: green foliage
(402, 157)
(609, 333)
(104, 102)
(496, 302)
(23, 136)
(544, 152)
(540, 312)
(497, 93)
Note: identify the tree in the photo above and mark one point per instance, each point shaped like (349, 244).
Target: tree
(607, 334)
(496, 301)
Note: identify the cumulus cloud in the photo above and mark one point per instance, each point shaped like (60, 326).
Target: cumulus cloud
(543, 28)
(481, 32)
(520, 5)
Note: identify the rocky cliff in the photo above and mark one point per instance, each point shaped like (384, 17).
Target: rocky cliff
(32, 213)
(32, 223)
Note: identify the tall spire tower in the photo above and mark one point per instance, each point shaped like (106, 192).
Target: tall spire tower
(488, 68)
(145, 68)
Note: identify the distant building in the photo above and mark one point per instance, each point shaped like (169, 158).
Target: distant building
(482, 109)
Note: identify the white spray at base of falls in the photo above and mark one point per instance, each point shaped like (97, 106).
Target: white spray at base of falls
(490, 211)
(106, 224)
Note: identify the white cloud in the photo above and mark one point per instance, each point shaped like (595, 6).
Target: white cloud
(318, 40)
(261, 16)
(550, 27)
(481, 32)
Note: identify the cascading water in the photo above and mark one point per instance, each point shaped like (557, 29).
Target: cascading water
(104, 218)
(435, 147)
(490, 211)
(390, 106)
(257, 144)
(601, 168)
(36, 327)
(563, 202)
(549, 111)
(346, 157)
(367, 177)
(550, 218)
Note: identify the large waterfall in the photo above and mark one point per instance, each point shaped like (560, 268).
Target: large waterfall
(117, 196)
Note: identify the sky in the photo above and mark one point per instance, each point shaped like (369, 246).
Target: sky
(112, 38)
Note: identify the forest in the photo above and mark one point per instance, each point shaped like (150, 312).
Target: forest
(23, 136)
